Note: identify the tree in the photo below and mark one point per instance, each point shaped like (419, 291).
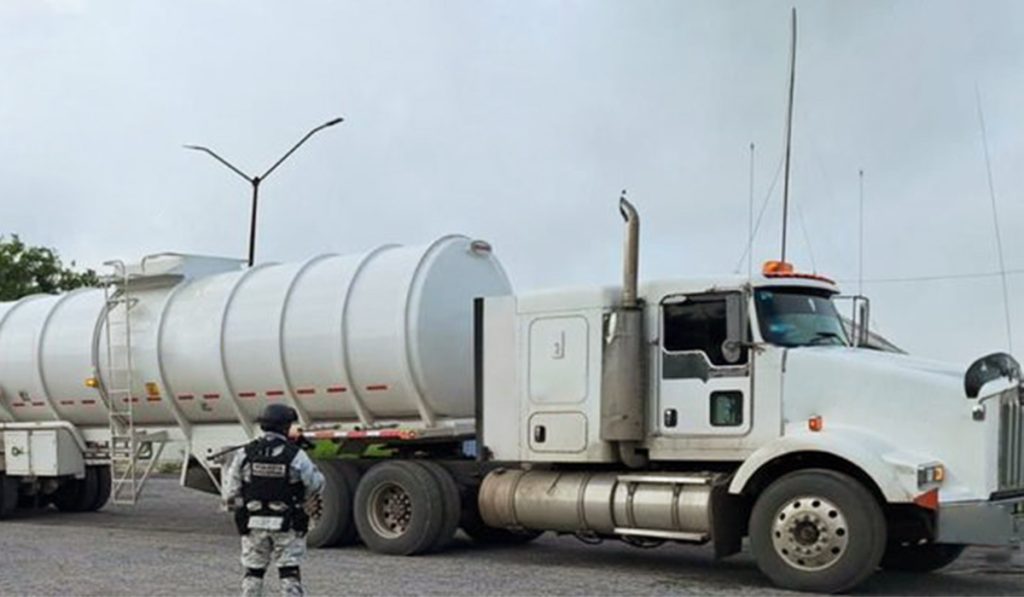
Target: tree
(28, 270)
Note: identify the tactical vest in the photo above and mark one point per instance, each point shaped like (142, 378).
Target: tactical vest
(270, 500)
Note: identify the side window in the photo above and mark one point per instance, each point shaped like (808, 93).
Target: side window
(698, 324)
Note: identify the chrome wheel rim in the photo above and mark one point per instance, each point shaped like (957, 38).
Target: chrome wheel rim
(810, 533)
(390, 510)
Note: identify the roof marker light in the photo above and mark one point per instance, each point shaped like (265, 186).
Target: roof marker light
(783, 269)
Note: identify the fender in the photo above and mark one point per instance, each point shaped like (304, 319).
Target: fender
(894, 471)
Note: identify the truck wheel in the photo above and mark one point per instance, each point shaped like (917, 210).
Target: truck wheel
(334, 525)
(452, 503)
(103, 487)
(78, 495)
(817, 530)
(920, 558)
(399, 508)
(8, 495)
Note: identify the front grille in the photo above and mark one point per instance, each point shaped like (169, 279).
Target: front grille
(1011, 440)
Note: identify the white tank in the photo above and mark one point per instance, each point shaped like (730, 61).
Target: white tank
(382, 336)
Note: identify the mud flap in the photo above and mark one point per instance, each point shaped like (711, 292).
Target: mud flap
(729, 516)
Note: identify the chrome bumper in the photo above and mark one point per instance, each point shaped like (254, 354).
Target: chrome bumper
(996, 523)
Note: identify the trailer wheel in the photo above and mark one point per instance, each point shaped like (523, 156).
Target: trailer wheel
(78, 495)
(452, 503)
(334, 525)
(103, 487)
(473, 525)
(817, 530)
(8, 495)
(399, 508)
(920, 558)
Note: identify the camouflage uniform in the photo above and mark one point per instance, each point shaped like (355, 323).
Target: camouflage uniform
(259, 547)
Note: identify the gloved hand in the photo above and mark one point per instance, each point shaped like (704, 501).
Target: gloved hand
(314, 506)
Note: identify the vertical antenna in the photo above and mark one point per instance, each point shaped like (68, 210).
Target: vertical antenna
(750, 218)
(860, 260)
(995, 219)
(789, 133)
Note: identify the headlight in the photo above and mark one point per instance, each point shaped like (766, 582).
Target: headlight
(930, 474)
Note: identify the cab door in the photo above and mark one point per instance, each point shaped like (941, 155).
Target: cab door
(703, 373)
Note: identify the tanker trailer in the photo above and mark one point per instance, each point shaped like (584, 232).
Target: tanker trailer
(699, 411)
(93, 383)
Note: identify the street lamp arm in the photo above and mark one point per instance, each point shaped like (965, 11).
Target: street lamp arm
(221, 160)
(299, 144)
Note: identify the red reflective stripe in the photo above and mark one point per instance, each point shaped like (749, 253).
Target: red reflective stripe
(153, 399)
(89, 402)
(336, 389)
(134, 400)
(306, 391)
(403, 434)
(185, 396)
(377, 387)
(211, 396)
(928, 499)
(18, 404)
(38, 404)
(67, 402)
(247, 394)
(275, 393)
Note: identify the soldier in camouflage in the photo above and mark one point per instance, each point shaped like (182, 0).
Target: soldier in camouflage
(268, 484)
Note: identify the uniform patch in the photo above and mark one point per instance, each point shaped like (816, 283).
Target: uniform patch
(264, 469)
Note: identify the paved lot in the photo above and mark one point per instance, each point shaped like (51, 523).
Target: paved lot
(175, 542)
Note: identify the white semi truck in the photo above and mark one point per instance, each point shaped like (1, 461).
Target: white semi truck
(696, 411)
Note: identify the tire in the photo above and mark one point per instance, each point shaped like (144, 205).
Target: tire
(90, 491)
(103, 487)
(8, 495)
(399, 508)
(334, 526)
(452, 503)
(473, 525)
(920, 558)
(79, 495)
(817, 530)
(69, 494)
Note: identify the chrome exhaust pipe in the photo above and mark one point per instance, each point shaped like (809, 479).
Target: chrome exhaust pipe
(624, 366)
(631, 253)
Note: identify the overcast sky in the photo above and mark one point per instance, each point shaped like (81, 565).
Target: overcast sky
(520, 122)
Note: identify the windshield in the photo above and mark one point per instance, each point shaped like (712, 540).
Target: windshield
(799, 317)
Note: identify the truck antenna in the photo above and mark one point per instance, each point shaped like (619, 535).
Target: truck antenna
(750, 218)
(995, 220)
(860, 249)
(789, 131)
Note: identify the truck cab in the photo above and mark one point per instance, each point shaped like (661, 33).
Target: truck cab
(709, 410)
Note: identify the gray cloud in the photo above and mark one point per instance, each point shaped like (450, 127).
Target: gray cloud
(519, 123)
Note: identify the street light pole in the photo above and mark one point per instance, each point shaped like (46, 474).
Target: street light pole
(256, 180)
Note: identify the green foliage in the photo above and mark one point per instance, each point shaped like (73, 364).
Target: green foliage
(28, 270)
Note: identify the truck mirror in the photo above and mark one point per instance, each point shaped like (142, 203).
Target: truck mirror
(735, 327)
(990, 368)
(863, 321)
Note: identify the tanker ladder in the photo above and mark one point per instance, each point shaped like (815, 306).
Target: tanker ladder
(133, 454)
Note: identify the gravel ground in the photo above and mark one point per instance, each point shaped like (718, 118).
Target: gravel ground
(175, 542)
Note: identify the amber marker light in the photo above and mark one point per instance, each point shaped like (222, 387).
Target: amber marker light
(815, 423)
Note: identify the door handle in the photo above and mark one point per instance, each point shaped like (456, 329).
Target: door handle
(540, 434)
(671, 417)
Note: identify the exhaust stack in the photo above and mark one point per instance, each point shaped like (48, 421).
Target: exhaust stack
(630, 253)
(624, 369)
